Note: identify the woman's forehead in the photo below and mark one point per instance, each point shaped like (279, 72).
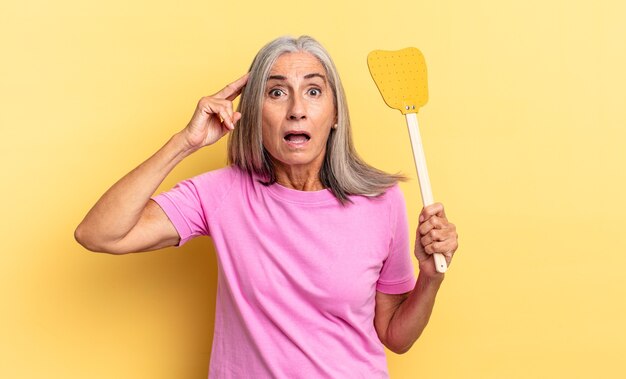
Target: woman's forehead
(298, 64)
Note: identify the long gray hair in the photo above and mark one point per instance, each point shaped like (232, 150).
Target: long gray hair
(343, 171)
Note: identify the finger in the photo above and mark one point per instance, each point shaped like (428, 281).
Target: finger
(447, 248)
(236, 117)
(447, 245)
(430, 248)
(224, 109)
(426, 240)
(433, 235)
(228, 107)
(448, 231)
(211, 105)
(232, 90)
(227, 121)
(441, 235)
(438, 247)
(435, 209)
(434, 222)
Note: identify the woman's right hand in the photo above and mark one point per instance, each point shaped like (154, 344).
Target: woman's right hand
(214, 116)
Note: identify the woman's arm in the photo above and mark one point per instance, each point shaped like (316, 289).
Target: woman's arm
(401, 319)
(124, 219)
(126, 205)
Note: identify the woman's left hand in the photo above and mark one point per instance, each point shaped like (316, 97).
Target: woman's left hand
(435, 234)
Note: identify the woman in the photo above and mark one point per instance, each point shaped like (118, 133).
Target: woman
(314, 270)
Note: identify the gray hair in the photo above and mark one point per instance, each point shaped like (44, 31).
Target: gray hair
(343, 171)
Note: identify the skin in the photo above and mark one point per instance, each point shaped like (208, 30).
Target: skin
(401, 319)
(298, 98)
(125, 220)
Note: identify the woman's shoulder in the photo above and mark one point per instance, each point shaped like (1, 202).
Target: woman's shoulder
(393, 194)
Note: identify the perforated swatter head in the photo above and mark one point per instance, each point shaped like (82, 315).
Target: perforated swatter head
(400, 77)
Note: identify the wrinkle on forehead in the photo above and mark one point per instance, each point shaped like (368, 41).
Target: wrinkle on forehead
(299, 64)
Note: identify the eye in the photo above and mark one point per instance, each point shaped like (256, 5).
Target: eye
(275, 92)
(315, 92)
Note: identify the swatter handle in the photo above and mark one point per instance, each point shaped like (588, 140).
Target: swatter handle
(422, 174)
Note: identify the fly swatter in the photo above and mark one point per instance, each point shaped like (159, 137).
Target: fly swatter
(401, 79)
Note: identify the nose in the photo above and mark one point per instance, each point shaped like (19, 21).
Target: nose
(297, 109)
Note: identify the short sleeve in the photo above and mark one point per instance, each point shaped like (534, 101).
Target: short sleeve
(183, 206)
(397, 274)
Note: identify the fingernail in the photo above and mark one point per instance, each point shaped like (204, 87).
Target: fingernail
(421, 218)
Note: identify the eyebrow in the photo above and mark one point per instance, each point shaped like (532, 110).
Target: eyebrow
(307, 76)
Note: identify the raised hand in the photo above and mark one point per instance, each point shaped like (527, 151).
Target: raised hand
(214, 116)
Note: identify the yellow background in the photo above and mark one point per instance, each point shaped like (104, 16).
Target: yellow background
(524, 135)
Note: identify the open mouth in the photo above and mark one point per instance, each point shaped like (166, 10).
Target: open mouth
(297, 137)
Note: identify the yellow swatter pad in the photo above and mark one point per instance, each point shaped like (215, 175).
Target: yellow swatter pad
(400, 77)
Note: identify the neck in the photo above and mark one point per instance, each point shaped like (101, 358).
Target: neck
(301, 178)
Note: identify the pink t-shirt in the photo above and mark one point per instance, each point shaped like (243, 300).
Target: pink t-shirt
(297, 274)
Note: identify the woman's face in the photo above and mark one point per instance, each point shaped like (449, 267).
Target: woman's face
(298, 111)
